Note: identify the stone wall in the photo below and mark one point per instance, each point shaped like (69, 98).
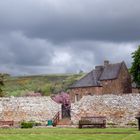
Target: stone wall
(118, 109)
(28, 108)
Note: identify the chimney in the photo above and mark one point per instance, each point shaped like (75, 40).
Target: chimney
(106, 62)
(99, 67)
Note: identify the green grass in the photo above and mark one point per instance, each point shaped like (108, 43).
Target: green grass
(70, 134)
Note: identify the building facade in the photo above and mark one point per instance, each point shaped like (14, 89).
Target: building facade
(106, 79)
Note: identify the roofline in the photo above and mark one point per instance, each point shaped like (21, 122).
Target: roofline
(120, 69)
(108, 79)
(83, 87)
(122, 63)
(116, 77)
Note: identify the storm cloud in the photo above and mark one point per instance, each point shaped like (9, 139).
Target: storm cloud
(58, 36)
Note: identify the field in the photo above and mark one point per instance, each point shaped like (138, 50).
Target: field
(45, 84)
(70, 134)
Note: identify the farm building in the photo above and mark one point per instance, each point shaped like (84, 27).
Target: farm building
(104, 79)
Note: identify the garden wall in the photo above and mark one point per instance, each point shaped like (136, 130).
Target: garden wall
(28, 108)
(118, 109)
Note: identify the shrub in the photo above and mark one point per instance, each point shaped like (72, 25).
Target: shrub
(131, 123)
(111, 123)
(27, 124)
(37, 124)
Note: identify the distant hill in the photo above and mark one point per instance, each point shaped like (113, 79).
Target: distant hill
(45, 84)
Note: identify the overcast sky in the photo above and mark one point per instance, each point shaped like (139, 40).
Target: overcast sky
(66, 36)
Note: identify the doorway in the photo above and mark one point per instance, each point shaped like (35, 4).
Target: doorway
(66, 109)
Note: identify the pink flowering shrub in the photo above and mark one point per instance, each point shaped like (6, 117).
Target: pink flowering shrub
(62, 98)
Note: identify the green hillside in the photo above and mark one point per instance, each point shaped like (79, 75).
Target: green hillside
(45, 84)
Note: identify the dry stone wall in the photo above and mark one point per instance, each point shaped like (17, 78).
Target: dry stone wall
(28, 108)
(118, 109)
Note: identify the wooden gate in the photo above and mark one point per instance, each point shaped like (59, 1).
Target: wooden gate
(66, 111)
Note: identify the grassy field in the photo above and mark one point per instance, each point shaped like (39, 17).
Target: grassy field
(70, 134)
(46, 84)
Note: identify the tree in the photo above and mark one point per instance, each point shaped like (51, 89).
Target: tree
(135, 69)
(63, 98)
(1, 84)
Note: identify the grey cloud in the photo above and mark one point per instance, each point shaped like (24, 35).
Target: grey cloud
(22, 55)
(58, 36)
(85, 55)
(25, 51)
(33, 56)
(62, 21)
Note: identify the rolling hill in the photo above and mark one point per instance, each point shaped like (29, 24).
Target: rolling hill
(44, 84)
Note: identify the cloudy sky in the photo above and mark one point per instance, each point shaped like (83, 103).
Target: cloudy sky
(66, 36)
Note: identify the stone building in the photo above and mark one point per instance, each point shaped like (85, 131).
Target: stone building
(104, 79)
(135, 88)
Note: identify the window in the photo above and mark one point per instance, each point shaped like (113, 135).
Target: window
(76, 97)
(89, 94)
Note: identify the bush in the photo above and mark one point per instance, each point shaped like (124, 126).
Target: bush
(27, 124)
(131, 123)
(37, 124)
(111, 123)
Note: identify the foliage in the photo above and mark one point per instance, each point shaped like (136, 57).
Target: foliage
(131, 123)
(44, 84)
(112, 124)
(46, 89)
(17, 93)
(62, 98)
(1, 85)
(27, 124)
(135, 69)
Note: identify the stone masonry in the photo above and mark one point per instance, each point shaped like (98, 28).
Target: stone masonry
(18, 109)
(118, 109)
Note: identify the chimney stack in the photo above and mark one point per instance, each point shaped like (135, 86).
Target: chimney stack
(99, 68)
(106, 62)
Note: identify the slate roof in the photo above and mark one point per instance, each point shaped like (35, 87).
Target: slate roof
(111, 71)
(93, 78)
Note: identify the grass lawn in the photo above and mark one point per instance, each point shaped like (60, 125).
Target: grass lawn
(70, 134)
